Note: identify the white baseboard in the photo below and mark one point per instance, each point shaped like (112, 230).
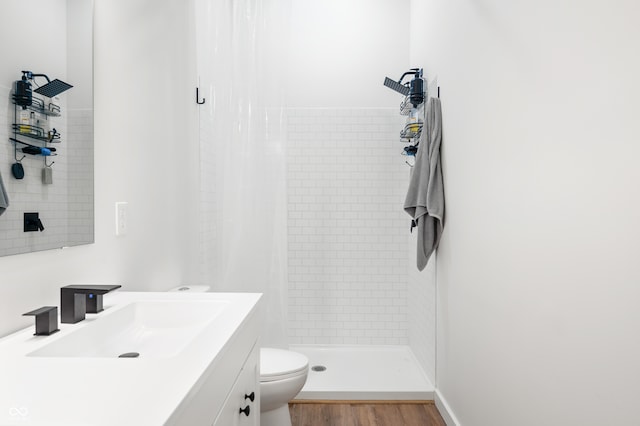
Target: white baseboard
(445, 410)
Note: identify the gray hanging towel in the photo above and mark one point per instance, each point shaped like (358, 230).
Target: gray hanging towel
(425, 196)
(4, 197)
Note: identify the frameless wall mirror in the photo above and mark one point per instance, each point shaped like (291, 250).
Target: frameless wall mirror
(46, 125)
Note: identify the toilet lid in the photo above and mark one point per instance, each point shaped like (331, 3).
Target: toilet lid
(278, 364)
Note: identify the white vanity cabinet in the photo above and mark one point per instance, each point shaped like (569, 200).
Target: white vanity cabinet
(220, 393)
(242, 407)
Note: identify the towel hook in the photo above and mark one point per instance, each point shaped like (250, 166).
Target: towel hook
(198, 97)
(48, 165)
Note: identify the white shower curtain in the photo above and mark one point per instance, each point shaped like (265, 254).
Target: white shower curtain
(241, 49)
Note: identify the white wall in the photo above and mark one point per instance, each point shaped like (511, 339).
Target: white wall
(537, 270)
(340, 52)
(47, 35)
(79, 53)
(145, 151)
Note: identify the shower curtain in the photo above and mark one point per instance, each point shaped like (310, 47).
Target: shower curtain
(241, 51)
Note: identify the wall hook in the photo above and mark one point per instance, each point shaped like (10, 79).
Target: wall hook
(198, 97)
(48, 165)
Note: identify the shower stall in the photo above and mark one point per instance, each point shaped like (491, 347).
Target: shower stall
(356, 305)
(302, 200)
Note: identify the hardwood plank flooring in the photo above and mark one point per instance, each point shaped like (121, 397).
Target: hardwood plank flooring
(368, 413)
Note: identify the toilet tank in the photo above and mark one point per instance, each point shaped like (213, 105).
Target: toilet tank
(192, 288)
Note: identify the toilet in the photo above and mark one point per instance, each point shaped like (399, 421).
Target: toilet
(283, 373)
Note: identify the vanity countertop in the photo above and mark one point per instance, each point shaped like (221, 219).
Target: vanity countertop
(96, 390)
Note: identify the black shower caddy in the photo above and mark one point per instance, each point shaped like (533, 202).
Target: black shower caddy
(38, 136)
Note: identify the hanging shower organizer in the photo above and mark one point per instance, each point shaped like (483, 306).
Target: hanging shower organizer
(412, 106)
(413, 126)
(33, 137)
(31, 118)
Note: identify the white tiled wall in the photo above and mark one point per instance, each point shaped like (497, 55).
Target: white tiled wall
(208, 255)
(421, 296)
(347, 229)
(79, 154)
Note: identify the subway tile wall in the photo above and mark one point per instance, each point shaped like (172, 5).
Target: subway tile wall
(347, 231)
(421, 296)
(207, 252)
(80, 157)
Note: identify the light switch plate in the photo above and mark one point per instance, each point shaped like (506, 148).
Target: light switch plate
(121, 218)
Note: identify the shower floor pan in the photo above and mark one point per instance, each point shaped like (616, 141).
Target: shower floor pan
(363, 373)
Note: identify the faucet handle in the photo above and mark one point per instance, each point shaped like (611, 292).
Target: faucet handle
(94, 292)
(46, 320)
(76, 300)
(92, 288)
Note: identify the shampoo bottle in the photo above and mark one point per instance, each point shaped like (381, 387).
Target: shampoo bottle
(32, 123)
(412, 120)
(43, 123)
(23, 121)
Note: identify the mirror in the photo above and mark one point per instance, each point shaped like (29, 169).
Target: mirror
(54, 38)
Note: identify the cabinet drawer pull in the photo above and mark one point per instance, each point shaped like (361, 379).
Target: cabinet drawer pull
(246, 410)
(250, 397)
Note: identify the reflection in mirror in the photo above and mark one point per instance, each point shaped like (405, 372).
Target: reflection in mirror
(46, 144)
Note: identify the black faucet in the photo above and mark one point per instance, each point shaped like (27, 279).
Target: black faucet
(77, 300)
(46, 320)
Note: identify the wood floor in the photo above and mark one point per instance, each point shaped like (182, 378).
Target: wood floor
(354, 413)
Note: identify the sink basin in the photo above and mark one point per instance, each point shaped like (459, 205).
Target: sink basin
(145, 329)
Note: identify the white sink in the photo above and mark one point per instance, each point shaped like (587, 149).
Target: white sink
(144, 329)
